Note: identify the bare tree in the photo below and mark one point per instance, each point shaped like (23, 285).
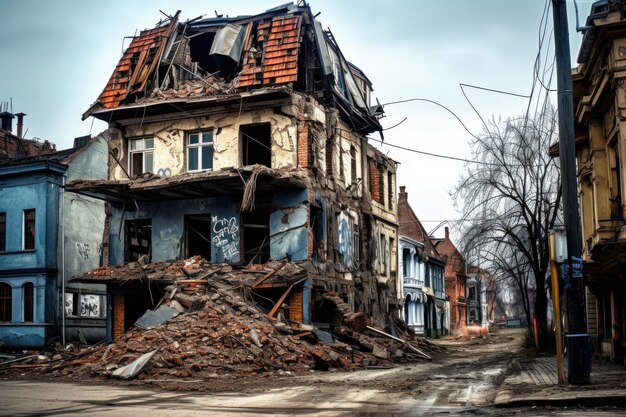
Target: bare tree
(510, 201)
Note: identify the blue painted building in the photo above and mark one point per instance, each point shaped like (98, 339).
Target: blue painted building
(31, 258)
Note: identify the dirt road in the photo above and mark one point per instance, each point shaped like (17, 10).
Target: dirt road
(464, 381)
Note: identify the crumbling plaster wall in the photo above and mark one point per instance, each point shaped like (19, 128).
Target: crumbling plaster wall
(168, 225)
(169, 154)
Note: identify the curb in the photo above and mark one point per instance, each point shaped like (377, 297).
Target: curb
(506, 398)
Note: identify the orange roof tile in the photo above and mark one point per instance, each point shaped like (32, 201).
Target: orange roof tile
(118, 86)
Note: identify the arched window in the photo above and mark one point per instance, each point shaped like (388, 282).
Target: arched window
(5, 302)
(29, 306)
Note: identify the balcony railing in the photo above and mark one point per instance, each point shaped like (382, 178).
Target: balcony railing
(413, 282)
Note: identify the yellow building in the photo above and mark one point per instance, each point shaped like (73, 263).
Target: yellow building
(600, 118)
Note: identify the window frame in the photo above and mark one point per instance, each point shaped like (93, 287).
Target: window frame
(24, 229)
(142, 150)
(4, 301)
(199, 145)
(28, 303)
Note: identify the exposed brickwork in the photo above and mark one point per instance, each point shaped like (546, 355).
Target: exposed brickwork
(374, 175)
(303, 146)
(295, 305)
(455, 279)
(410, 226)
(12, 146)
(118, 316)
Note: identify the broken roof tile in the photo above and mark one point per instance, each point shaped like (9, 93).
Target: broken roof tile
(118, 87)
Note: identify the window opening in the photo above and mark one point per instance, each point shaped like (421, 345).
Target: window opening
(3, 232)
(138, 239)
(198, 236)
(256, 238)
(256, 144)
(29, 307)
(28, 242)
(406, 259)
(200, 151)
(5, 302)
(140, 154)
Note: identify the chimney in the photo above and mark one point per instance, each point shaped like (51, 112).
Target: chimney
(20, 124)
(7, 122)
(447, 233)
(403, 194)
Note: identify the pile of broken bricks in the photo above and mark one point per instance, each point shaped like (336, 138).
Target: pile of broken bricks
(204, 327)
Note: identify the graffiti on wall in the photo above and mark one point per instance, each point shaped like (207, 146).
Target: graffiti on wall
(344, 238)
(83, 250)
(90, 305)
(164, 172)
(226, 236)
(69, 304)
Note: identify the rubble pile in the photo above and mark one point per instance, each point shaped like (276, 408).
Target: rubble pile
(207, 325)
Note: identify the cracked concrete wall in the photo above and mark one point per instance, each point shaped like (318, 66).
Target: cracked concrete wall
(169, 153)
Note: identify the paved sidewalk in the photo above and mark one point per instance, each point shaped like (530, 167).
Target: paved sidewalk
(532, 381)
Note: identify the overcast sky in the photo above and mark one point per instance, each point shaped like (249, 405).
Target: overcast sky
(58, 55)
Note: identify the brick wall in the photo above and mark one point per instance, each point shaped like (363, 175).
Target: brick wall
(374, 174)
(118, 316)
(295, 305)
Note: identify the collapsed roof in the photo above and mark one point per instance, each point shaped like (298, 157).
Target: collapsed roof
(184, 64)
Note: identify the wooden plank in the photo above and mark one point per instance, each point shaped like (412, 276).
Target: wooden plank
(269, 275)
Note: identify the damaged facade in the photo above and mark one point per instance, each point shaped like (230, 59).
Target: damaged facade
(243, 140)
(35, 214)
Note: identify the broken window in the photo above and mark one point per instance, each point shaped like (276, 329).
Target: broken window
(200, 151)
(3, 232)
(316, 224)
(29, 307)
(5, 302)
(138, 240)
(198, 236)
(353, 173)
(140, 156)
(329, 158)
(381, 185)
(28, 242)
(256, 238)
(256, 144)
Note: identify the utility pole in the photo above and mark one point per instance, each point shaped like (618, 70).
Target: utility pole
(578, 347)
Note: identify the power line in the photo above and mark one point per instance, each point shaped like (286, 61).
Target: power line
(454, 158)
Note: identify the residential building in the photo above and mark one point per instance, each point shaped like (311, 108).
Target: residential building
(243, 140)
(426, 308)
(39, 226)
(599, 107)
(456, 279)
(481, 296)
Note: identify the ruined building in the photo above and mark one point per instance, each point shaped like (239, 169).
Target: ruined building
(244, 140)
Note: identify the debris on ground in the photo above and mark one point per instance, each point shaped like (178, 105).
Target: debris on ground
(207, 324)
